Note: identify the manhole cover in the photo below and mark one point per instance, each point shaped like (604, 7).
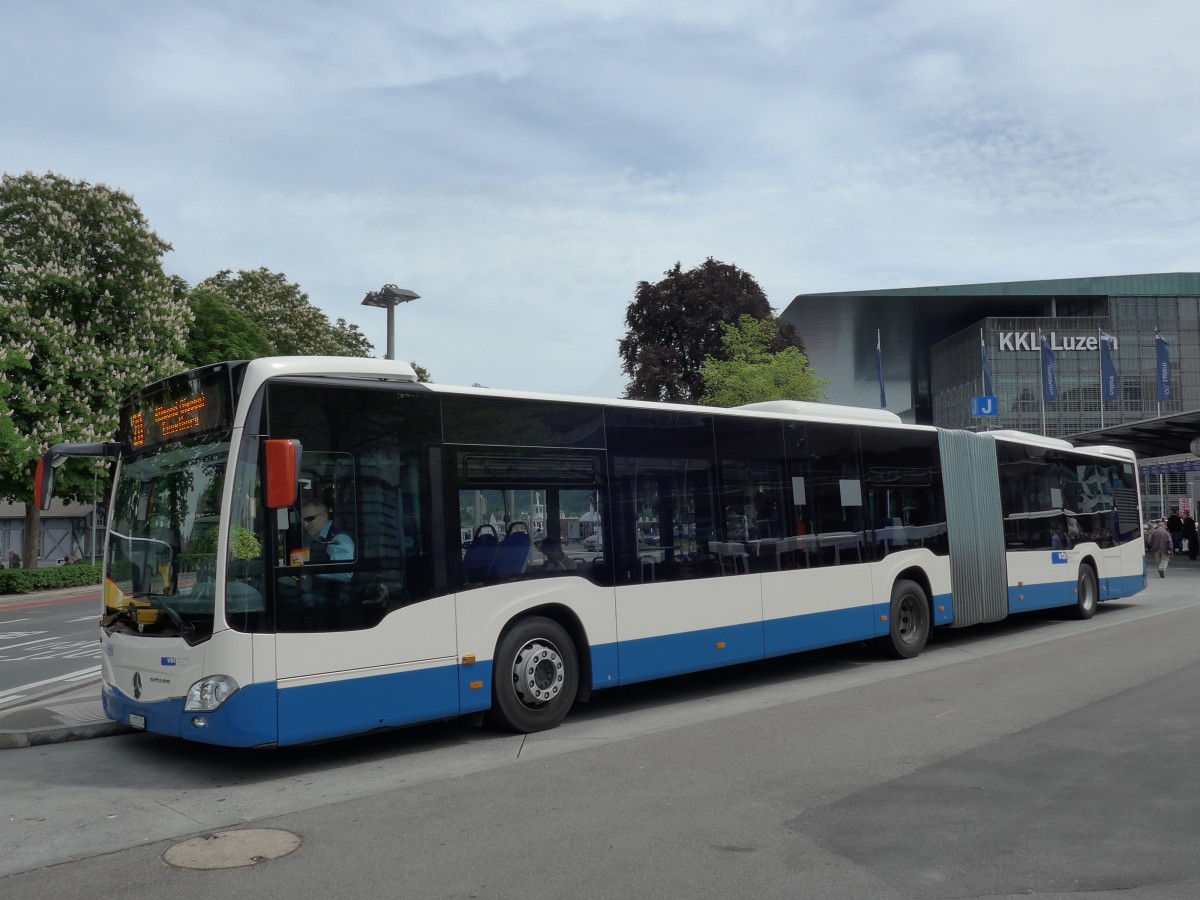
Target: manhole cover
(231, 849)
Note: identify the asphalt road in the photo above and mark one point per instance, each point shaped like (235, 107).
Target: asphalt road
(48, 644)
(1039, 756)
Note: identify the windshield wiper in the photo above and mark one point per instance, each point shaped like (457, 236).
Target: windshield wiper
(185, 628)
(121, 612)
(128, 613)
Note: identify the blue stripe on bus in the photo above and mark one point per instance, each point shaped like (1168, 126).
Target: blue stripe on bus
(1122, 586)
(163, 717)
(692, 651)
(605, 662)
(943, 609)
(1055, 594)
(314, 712)
(475, 699)
(1028, 597)
(247, 719)
(676, 654)
(823, 629)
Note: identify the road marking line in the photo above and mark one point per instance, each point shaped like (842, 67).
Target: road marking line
(31, 643)
(5, 694)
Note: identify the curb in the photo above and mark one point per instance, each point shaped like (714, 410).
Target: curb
(33, 598)
(15, 739)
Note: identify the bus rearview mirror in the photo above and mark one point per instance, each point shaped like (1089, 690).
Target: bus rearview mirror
(282, 472)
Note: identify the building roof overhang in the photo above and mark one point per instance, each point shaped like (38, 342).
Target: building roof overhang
(1163, 436)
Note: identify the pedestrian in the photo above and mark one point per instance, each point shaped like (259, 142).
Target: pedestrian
(1175, 527)
(1189, 536)
(1161, 545)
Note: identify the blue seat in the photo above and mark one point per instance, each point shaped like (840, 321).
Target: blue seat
(480, 555)
(512, 556)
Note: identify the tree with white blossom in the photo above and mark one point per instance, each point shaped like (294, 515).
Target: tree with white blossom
(87, 316)
(284, 314)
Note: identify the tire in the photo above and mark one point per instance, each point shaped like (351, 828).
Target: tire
(908, 621)
(535, 676)
(1087, 593)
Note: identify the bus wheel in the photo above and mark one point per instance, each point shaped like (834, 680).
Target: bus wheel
(1086, 593)
(908, 621)
(535, 676)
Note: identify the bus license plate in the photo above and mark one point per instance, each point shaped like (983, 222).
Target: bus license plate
(137, 721)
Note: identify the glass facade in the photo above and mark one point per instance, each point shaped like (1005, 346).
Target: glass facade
(1014, 353)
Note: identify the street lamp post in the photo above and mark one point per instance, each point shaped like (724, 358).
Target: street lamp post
(389, 297)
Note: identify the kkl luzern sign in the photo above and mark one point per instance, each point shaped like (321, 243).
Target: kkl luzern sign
(1028, 340)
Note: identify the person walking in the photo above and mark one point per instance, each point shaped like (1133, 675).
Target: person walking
(1175, 527)
(1189, 536)
(1161, 545)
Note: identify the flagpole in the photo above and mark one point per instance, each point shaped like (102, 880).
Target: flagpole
(879, 366)
(1157, 378)
(1041, 381)
(983, 373)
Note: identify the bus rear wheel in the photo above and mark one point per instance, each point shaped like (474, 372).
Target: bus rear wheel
(908, 621)
(1086, 593)
(535, 676)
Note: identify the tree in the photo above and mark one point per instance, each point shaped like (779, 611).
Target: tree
(222, 332)
(87, 315)
(752, 373)
(284, 315)
(674, 324)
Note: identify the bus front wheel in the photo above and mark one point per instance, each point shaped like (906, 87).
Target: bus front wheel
(908, 621)
(535, 676)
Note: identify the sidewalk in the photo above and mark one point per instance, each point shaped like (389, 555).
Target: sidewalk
(70, 714)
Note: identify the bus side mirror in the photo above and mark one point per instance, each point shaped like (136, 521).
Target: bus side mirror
(43, 484)
(283, 472)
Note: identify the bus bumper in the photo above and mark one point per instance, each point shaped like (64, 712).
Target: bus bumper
(247, 719)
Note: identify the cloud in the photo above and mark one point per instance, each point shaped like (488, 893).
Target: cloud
(523, 166)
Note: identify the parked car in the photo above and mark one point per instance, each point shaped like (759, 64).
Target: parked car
(594, 542)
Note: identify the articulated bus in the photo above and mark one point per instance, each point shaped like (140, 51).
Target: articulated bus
(306, 548)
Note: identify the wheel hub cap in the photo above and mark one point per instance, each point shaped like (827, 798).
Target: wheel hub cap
(538, 673)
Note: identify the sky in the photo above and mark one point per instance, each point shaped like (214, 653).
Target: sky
(524, 165)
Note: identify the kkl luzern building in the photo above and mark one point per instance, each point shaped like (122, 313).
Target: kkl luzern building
(930, 340)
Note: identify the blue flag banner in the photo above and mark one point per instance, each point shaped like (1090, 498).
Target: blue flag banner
(1163, 375)
(879, 366)
(1109, 385)
(1049, 374)
(987, 370)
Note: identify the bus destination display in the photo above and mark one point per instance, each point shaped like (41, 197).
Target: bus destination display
(178, 407)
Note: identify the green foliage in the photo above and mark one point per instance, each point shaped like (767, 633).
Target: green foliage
(221, 332)
(24, 581)
(751, 373)
(675, 324)
(282, 313)
(423, 375)
(243, 543)
(87, 315)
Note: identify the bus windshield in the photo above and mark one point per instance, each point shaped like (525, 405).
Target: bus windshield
(162, 540)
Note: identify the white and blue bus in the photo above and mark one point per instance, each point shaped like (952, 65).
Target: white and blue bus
(607, 542)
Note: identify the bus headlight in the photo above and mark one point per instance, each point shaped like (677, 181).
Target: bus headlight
(209, 693)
